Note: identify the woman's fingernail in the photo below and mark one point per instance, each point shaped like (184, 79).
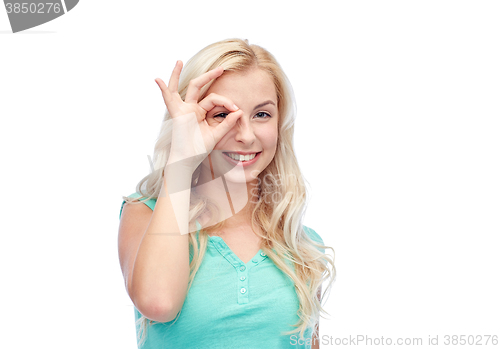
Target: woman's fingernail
(235, 107)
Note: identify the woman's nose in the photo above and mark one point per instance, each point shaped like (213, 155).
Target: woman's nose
(244, 130)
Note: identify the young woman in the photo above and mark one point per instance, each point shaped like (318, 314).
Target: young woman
(212, 246)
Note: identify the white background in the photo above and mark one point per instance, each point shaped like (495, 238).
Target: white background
(397, 134)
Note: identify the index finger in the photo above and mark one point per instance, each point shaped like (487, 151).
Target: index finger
(195, 85)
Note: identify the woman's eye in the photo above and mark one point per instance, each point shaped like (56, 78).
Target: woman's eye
(262, 115)
(222, 115)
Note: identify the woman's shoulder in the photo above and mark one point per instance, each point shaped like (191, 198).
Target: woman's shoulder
(148, 202)
(313, 235)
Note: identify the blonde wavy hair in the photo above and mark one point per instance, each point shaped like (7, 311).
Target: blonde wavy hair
(281, 220)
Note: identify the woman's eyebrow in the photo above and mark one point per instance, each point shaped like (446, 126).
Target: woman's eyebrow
(263, 104)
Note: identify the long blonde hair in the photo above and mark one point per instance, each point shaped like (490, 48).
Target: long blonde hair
(280, 220)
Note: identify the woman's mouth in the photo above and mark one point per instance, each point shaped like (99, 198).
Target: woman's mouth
(241, 160)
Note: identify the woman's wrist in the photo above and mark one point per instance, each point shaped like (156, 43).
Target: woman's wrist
(177, 176)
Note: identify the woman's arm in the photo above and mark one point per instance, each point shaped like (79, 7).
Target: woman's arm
(154, 257)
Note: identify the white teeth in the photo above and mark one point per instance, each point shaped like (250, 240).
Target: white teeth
(239, 157)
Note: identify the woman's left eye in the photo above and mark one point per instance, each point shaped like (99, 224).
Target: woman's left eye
(262, 115)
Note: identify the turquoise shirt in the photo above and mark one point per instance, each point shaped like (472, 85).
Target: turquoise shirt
(232, 304)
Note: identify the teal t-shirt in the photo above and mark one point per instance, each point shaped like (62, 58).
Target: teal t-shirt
(232, 304)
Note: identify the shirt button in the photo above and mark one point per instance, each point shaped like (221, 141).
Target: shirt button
(262, 254)
(242, 268)
(243, 290)
(254, 260)
(243, 278)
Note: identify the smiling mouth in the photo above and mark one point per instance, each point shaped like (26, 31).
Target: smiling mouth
(242, 158)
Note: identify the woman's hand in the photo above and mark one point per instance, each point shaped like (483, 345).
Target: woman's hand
(190, 114)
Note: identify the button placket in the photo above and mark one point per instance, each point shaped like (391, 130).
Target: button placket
(241, 268)
(242, 284)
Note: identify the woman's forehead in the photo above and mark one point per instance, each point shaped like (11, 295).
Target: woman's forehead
(251, 86)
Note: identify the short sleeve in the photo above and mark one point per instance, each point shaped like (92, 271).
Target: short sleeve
(150, 203)
(315, 237)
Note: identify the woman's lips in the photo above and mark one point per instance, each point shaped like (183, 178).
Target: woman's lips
(242, 163)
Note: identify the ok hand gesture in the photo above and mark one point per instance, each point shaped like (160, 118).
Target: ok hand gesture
(177, 108)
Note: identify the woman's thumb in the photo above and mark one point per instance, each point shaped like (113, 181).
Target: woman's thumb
(226, 125)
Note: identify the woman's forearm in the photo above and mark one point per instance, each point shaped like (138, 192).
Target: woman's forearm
(161, 269)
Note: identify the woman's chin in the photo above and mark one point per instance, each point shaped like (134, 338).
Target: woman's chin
(238, 178)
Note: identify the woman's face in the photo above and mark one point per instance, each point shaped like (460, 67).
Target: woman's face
(256, 131)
